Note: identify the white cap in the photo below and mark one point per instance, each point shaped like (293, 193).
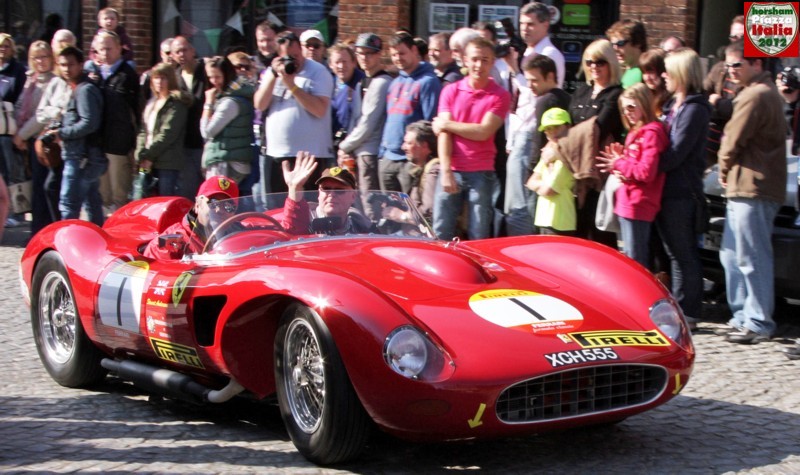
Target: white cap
(309, 34)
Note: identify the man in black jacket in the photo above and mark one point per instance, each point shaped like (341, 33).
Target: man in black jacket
(120, 86)
(192, 79)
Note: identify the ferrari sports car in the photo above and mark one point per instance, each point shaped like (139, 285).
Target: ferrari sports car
(385, 328)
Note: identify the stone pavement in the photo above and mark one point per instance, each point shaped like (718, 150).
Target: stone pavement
(740, 413)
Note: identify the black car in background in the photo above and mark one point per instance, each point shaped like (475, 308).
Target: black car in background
(785, 237)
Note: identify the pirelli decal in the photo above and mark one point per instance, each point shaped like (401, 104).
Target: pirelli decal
(176, 353)
(605, 338)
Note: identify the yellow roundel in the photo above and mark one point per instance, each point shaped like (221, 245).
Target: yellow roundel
(525, 310)
(335, 171)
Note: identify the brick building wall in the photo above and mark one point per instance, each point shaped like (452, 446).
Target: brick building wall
(661, 19)
(137, 18)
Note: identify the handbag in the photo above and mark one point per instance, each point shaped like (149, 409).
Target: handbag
(48, 151)
(21, 195)
(604, 217)
(8, 123)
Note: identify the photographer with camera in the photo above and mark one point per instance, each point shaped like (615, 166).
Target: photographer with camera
(788, 82)
(296, 93)
(534, 26)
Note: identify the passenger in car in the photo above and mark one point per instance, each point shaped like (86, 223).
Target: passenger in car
(212, 203)
(334, 213)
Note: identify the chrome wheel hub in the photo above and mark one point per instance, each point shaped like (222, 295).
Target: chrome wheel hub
(304, 374)
(57, 317)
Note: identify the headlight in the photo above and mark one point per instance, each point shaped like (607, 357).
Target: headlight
(669, 320)
(412, 354)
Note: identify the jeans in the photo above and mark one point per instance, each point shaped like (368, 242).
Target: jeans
(636, 238)
(40, 214)
(81, 184)
(746, 256)
(368, 179)
(168, 182)
(10, 165)
(520, 203)
(190, 177)
(52, 191)
(395, 175)
(675, 224)
(474, 187)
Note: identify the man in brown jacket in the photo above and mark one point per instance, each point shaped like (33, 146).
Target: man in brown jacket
(752, 169)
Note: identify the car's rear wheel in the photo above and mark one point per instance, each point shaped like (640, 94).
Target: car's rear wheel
(65, 350)
(319, 406)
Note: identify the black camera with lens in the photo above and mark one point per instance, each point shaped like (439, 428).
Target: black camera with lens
(289, 64)
(49, 136)
(503, 48)
(790, 77)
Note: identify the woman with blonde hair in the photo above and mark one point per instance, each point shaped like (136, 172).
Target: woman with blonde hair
(51, 107)
(687, 116)
(597, 98)
(638, 199)
(40, 73)
(159, 145)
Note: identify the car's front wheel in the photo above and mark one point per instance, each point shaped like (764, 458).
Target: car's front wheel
(319, 406)
(65, 350)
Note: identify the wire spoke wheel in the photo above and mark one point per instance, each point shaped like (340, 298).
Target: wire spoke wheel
(305, 374)
(57, 324)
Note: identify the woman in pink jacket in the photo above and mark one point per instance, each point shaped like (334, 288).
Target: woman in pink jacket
(638, 199)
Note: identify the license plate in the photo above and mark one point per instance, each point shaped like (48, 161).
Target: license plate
(712, 240)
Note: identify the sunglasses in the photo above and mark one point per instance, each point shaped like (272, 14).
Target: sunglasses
(313, 45)
(596, 62)
(736, 65)
(226, 205)
(334, 191)
(620, 43)
(287, 38)
(735, 37)
(630, 107)
(243, 67)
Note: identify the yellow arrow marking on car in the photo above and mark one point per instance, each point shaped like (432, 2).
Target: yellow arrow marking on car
(678, 385)
(476, 421)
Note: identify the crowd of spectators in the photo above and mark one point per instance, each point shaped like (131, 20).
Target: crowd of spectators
(480, 134)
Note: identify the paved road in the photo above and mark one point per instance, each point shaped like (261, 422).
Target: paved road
(739, 414)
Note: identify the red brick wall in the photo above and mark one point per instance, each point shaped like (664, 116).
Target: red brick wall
(137, 18)
(382, 17)
(678, 17)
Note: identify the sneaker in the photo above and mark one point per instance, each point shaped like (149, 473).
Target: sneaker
(726, 330)
(746, 336)
(12, 223)
(792, 352)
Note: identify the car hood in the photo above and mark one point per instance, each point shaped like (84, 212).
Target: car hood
(508, 289)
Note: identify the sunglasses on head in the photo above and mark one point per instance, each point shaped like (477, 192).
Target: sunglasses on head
(596, 62)
(620, 43)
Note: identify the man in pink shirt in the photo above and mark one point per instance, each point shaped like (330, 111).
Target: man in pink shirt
(470, 113)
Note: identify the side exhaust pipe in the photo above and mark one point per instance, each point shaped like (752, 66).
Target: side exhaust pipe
(170, 383)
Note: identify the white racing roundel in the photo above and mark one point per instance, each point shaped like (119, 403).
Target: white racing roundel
(526, 311)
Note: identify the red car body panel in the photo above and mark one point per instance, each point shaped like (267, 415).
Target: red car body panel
(215, 317)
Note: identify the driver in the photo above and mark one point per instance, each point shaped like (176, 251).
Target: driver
(334, 213)
(189, 235)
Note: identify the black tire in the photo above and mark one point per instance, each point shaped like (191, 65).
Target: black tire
(66, 352)
(318, 404)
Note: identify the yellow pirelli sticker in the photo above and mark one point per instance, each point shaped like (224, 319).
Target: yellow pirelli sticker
(608, 338)
(166, 350)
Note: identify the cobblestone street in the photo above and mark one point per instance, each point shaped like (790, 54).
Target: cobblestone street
(740, 413)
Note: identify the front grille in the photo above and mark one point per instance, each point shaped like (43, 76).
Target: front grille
(580, 392)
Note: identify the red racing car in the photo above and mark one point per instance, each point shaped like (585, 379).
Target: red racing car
(388, 327)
